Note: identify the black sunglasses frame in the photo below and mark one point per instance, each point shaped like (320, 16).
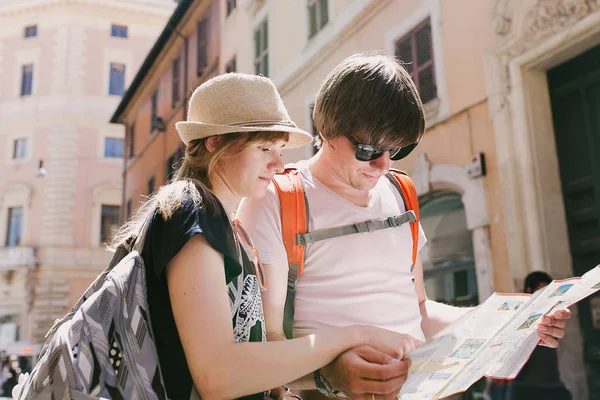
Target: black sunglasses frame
(366, 152)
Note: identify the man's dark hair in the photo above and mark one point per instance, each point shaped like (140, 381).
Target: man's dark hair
(372, 98)
(535, 279)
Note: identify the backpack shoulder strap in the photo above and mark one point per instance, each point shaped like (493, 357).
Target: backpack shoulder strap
(294, 221)
(407, 190)
(294, 214)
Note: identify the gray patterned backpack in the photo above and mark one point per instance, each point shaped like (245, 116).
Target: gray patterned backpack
(103, 347)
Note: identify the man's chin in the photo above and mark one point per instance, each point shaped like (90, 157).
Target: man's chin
(365, 186)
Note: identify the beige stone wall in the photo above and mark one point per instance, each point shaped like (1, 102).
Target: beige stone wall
(153, 148)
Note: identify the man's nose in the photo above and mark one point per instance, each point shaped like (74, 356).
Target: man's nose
(382, 163)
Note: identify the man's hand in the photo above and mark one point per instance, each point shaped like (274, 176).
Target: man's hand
(552, 327)
(366, 373)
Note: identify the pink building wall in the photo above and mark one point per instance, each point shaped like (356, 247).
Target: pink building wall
(66, 121)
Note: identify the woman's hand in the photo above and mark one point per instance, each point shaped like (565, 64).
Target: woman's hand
(395, 345)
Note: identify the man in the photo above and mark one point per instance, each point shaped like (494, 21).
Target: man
(366, 112)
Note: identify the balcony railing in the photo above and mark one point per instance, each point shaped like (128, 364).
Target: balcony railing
(12, 258)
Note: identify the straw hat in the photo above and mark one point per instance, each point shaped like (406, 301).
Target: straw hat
(238, 103)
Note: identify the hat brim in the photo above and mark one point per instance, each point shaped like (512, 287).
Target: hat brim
(189, 131)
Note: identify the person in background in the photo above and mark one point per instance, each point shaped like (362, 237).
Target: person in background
(11, 373)
(540, 377)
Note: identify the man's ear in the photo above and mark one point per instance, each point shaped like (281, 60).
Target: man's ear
(211, 143)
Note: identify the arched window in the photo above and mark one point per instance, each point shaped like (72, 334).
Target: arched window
(448, 262)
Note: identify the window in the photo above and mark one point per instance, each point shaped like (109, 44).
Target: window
(176, 81)
(151, 185)
(154, 110)
(109, 222)
(113, 148)
(15, 226)
(415, 51)
(118, 31)
(448, 260)
(9, 328)
(117, 79)
(27, 80)
(231, 4)
(31, 31)
(230, 67)
(173, 163)
(132, 140)
(318, 15)
(19, 149)
(202, 46)
(261, 49)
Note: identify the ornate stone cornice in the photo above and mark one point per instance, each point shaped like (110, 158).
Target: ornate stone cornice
(541, 20)
(548, 17)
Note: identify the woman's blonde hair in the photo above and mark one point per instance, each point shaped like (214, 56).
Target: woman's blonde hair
(193, 179)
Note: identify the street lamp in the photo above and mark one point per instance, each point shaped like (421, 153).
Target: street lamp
(41, 171)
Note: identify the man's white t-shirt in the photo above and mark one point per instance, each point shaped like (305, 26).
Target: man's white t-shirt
(364, 278)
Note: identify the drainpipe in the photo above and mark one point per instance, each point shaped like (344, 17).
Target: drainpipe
(185, 69)
(127, 145)
(184, 103)
(185, 77)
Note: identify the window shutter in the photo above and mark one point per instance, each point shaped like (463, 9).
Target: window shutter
(415, 52)
(312, 20)
(265, 49)
(423, 44)
(424, 50)
(132, 141)
(202, 46)
(427, 87)
(404, 53)
(257, 51)
(324, 13)
(175, 95)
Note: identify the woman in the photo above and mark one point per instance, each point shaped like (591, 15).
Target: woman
(203, 290)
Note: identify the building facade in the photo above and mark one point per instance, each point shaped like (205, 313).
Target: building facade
(185, 55)
(64, 66)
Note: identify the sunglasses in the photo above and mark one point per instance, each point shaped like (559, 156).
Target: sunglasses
(251, 251)
(366, 152)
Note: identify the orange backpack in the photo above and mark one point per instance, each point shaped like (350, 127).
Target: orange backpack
(294, 226)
